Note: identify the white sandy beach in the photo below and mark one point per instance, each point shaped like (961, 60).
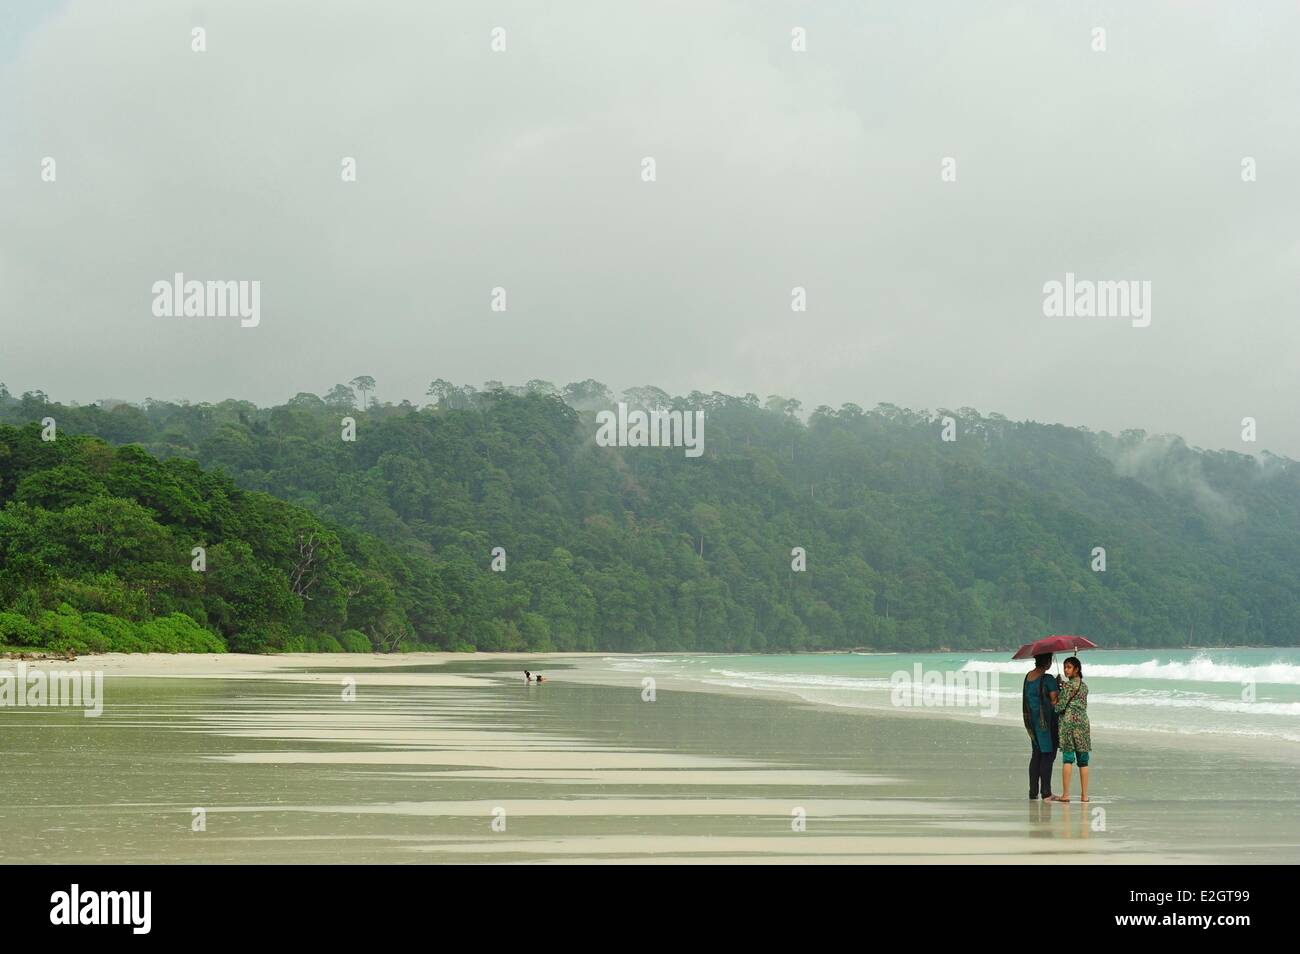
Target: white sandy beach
(421, 762)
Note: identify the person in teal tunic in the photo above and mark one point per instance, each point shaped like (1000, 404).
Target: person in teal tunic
(1038, 706)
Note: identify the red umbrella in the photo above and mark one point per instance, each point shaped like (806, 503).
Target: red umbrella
(1053, 644)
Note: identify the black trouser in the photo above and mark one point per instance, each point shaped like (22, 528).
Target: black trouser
(1040, 772)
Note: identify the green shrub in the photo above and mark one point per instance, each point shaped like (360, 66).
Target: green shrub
(158, 637)
(128, 642)
(323, 643)
(102, 593)
(178, 633)
(64, 630)
(264, 638)
(17, 630)
(120, 635)
(294, 644)
(355, 641)
(195, 638)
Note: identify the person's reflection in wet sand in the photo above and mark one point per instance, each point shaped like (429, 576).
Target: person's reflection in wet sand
(1075, 824)
(1040, 816)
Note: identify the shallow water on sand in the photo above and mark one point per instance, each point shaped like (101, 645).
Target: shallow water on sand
(423, 762)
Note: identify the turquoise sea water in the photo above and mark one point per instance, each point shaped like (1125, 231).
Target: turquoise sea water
(1229, 693)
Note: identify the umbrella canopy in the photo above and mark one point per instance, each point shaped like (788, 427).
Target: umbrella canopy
(1053, 644)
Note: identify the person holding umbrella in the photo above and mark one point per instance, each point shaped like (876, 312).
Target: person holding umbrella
(1039, 707)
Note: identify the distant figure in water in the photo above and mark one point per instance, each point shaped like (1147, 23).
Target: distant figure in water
(528, 676)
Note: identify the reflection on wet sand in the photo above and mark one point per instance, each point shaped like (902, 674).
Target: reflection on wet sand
(421, 765)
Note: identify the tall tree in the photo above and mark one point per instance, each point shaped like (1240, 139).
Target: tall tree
(365, 384)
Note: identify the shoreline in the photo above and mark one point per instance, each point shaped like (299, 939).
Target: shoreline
(434, 745)
(1274, 750)
(36, 654)
(369, 670)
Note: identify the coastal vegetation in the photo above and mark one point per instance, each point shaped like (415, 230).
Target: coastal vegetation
(490, 518)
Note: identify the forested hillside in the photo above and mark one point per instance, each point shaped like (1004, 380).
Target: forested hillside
(105, 549)
(911, 541)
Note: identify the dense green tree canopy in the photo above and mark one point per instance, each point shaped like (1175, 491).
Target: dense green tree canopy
(97, 551)
(912, 542)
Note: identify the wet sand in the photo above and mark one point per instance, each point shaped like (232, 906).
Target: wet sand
(422, 758)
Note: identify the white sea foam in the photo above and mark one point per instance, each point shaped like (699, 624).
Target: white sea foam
(1172, 705)
(1200, 669)
(1157, 698)
(638, 663)
(776, 680)
(1202, 702)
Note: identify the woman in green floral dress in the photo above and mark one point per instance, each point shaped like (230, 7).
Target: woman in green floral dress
(1076, 733)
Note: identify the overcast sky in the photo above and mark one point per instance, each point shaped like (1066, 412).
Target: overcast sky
(775, 169)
